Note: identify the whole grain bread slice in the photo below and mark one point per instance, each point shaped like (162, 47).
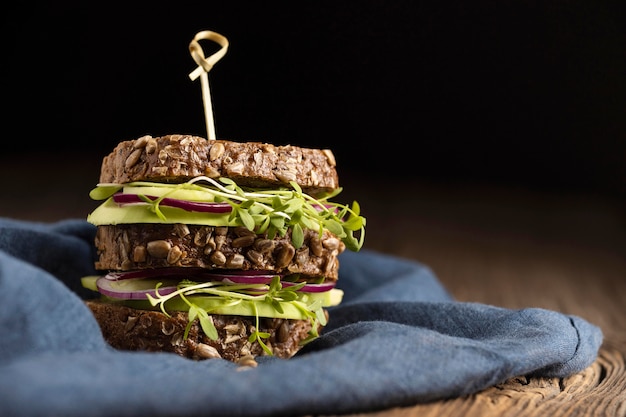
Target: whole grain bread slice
(175, 158)
(127, 247)
(128, 328)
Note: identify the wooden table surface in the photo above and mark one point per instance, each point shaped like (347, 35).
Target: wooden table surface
(516, 248)
(509, 247)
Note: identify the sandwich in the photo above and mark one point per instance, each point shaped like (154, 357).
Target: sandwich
(216, 248)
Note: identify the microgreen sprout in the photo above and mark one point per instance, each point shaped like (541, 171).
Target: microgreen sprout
(259, 336)
(273, 294)
(272, 211)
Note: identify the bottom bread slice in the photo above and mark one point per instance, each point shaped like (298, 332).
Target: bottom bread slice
(127, 328)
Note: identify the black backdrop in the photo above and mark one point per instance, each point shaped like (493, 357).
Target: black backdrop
(528, 93)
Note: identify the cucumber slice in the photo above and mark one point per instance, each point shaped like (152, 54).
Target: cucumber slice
(178, 193)
(111, 213)
(296, 309)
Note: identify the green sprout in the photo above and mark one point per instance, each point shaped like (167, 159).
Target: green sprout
(273, 294)
(272, 211)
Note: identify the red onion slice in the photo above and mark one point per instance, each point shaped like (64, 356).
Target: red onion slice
(131, 289)
(199, 206)
(147, 273)
(325, 286)
(136, 284)
(259, 277)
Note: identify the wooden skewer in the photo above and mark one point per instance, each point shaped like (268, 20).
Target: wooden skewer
(204, 66)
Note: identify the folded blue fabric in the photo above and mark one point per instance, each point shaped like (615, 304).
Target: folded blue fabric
(397, 339)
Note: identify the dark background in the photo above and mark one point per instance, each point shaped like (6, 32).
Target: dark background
(517, 93)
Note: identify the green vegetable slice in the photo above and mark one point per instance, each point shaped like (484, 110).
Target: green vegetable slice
(200, 300)
(262, 210)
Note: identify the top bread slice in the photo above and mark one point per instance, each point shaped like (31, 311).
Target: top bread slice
(177, 158)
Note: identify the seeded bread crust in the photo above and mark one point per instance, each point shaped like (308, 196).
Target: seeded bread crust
(127, 328)
(177, 158)
(126, 247)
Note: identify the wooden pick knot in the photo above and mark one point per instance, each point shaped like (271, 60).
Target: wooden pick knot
(205, 64)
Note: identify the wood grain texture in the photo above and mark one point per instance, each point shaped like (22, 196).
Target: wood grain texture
(596, 391)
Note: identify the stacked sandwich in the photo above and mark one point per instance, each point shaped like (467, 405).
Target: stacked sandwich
(215, 248)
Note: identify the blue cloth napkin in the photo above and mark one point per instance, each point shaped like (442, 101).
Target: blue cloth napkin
(398, 339)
